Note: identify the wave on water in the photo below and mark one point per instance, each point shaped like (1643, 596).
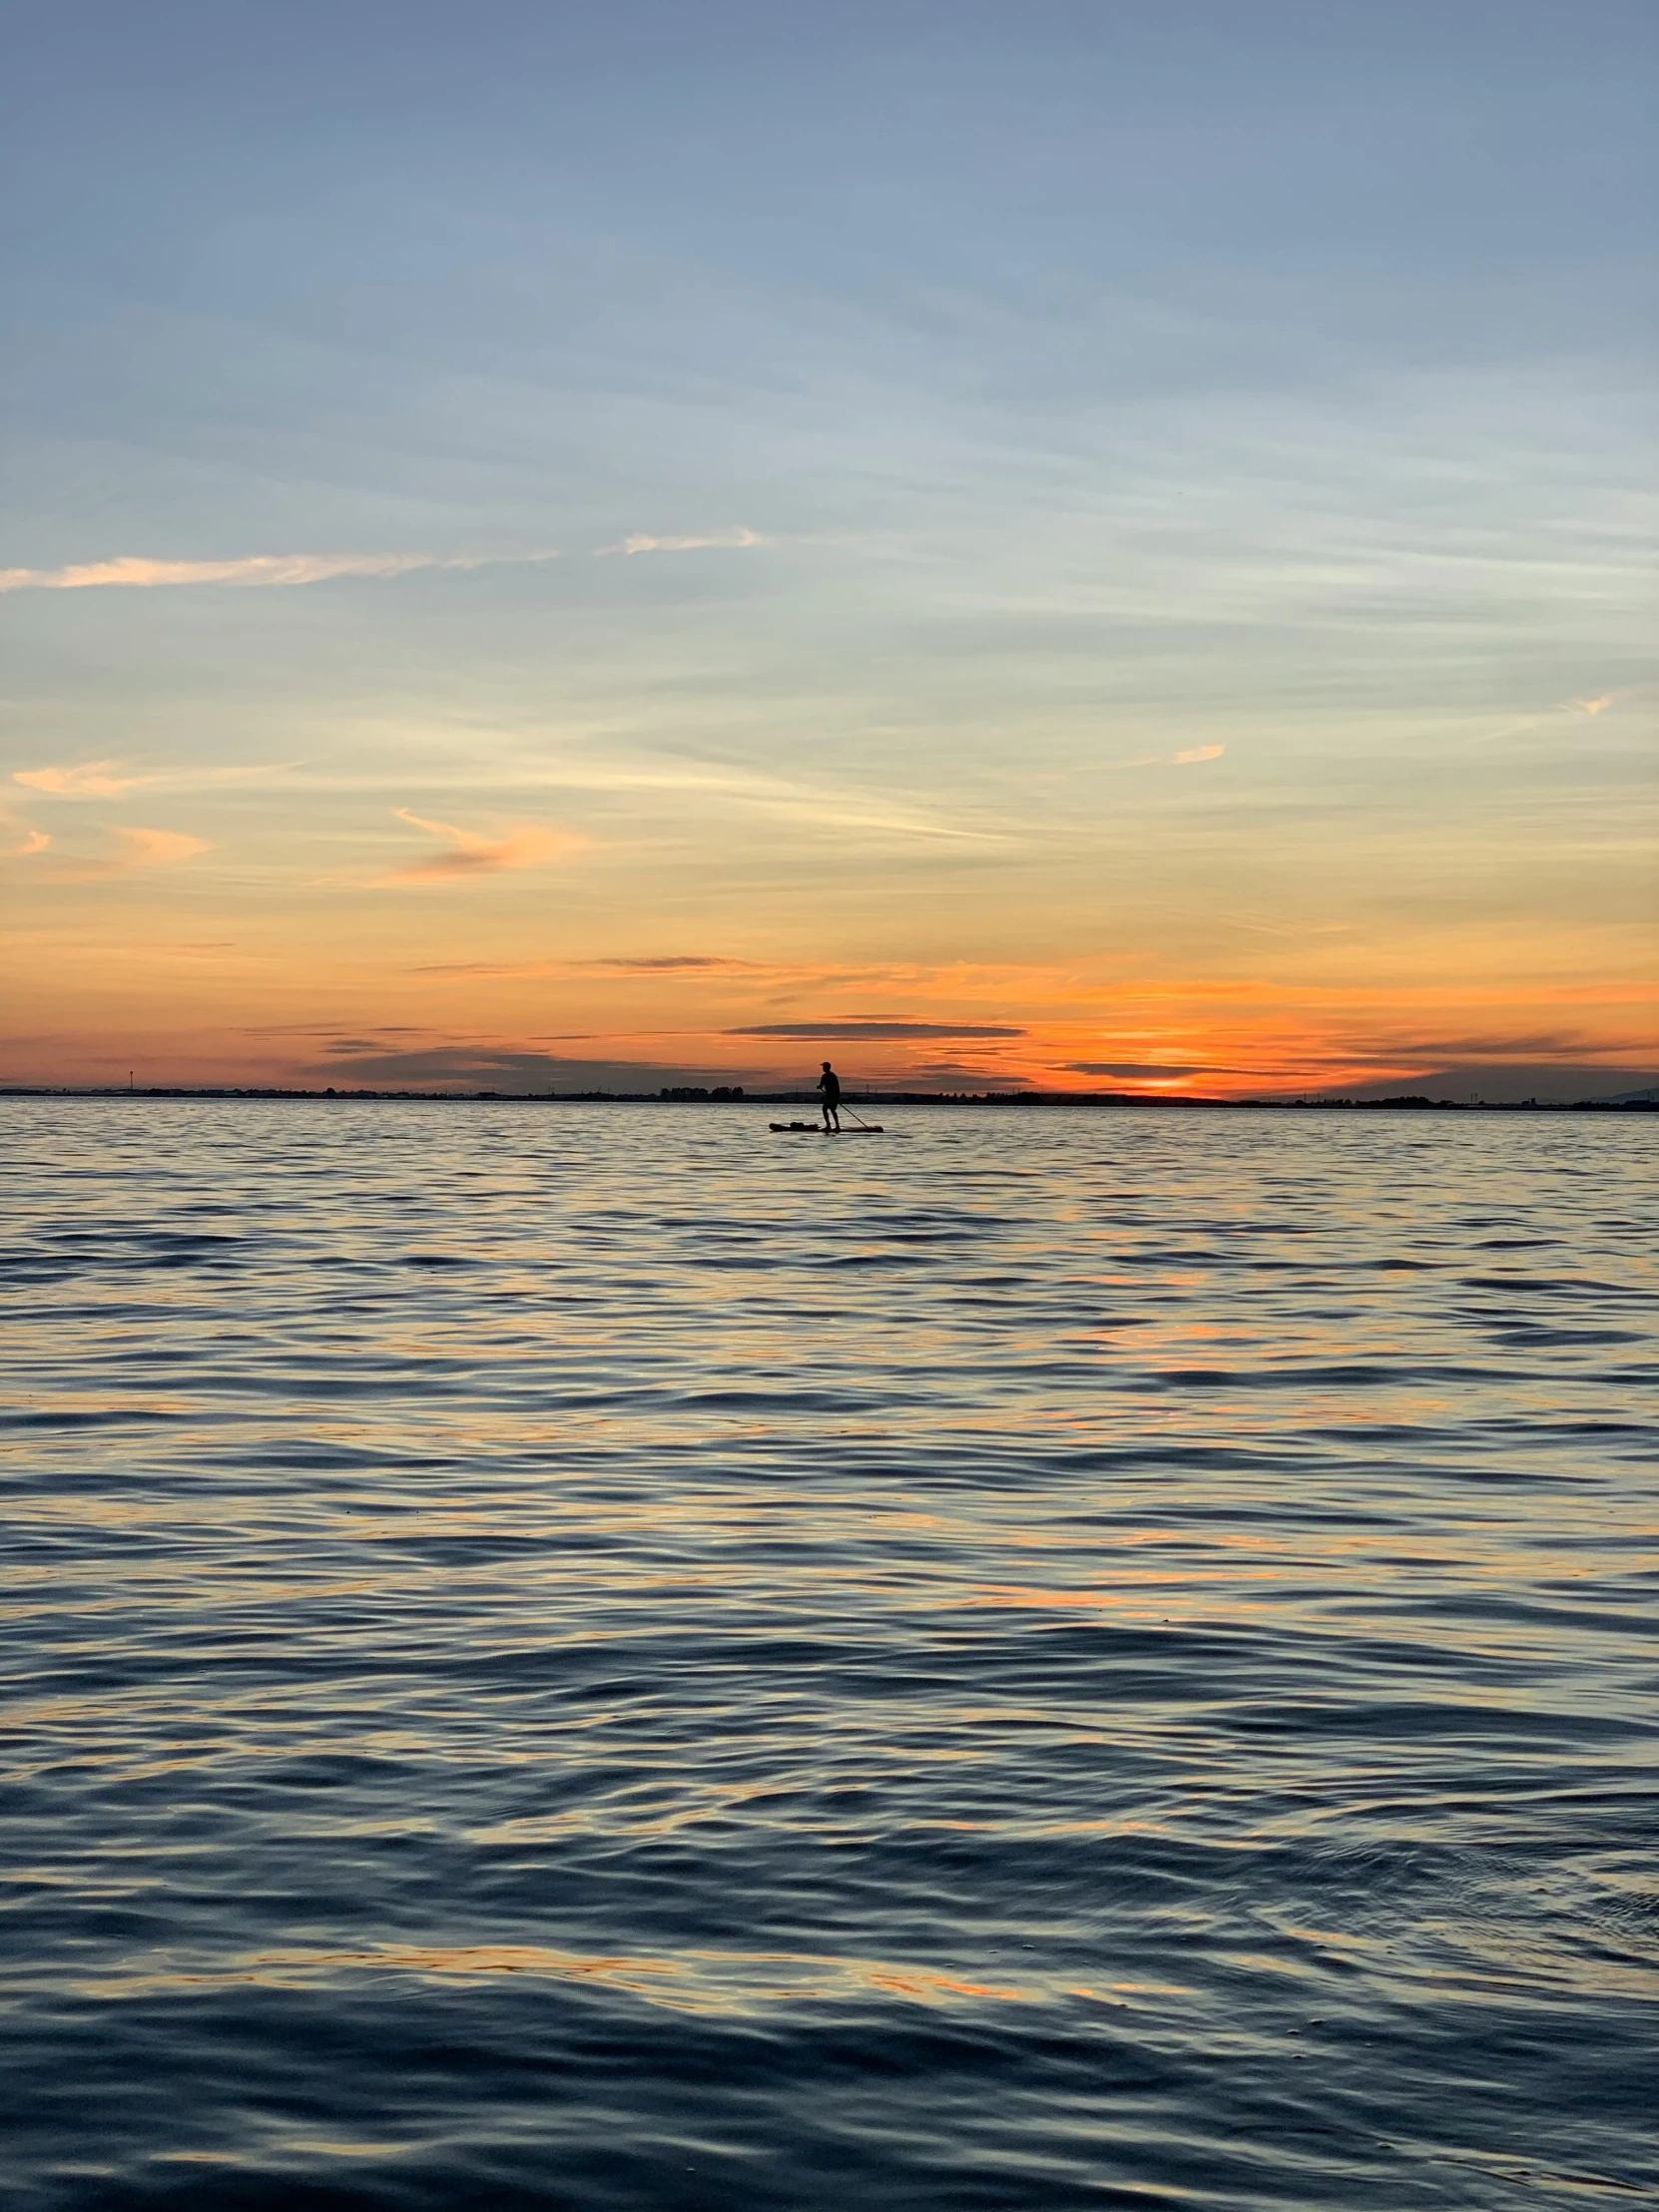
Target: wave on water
(585, 1658)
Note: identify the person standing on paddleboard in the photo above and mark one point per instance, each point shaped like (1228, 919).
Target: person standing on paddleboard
(830, 1083)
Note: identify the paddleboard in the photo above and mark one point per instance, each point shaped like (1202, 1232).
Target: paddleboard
(817, 1129)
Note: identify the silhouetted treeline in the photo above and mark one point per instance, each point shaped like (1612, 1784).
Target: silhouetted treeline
(734, 1095)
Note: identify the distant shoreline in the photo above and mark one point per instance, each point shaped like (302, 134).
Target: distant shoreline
(1100, 1100)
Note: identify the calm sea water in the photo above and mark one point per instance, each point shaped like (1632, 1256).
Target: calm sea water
(582, 1657)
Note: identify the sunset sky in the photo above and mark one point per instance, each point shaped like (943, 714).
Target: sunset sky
(1100, 544)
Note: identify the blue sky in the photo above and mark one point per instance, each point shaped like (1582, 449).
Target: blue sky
(1108, 498)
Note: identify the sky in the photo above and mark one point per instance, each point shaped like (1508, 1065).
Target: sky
(1095, 544)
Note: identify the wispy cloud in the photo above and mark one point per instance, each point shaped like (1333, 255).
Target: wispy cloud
(641, 543)
(497, 971)
(30, 840)
(110, 779)
(662, 963)
(873, 1029)
(137, 570)
(1594, 705)
(158, 848)
(1175, 759)
(818, 806)
(145, 573)
(81, 779)
(134, 849)
(532, 844)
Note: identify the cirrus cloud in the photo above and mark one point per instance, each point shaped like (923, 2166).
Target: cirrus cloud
(134, 849)
(531, 844)
(142, 571)
(641, 543)
(158, 848)
(81, 779)
(1176, 760)
(139, 571)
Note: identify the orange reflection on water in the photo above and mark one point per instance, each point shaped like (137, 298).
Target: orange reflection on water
(697, 1981)
(925, 1984)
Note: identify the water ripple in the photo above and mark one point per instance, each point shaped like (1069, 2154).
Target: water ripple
(578, 1657)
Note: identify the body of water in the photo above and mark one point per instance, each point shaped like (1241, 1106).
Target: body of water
(583, 1658)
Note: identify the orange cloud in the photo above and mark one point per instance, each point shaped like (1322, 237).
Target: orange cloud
(533, 845)
(137, 570)
(141, 572)
(1175, 759)
(134, 849)
(34, 840)
(158, 848)
(81, 779)
(672, 963)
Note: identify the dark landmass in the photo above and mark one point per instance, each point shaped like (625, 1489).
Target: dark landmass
(1633, 1102)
